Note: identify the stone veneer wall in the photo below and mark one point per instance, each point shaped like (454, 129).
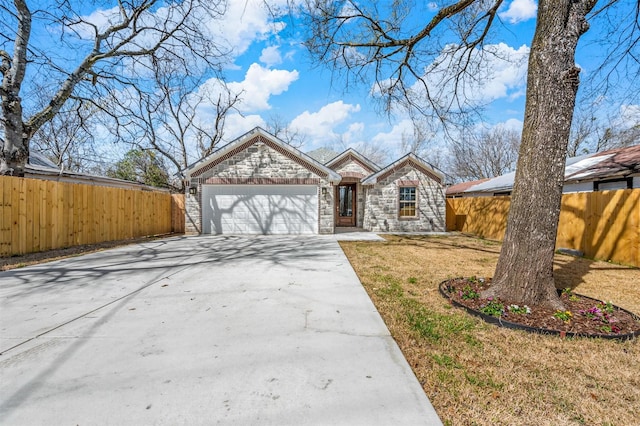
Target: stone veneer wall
(381, 213)
(354, 167)
(192, 212)
(255, 162)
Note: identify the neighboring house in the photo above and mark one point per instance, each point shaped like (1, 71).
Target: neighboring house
(40, 167)
(607, 170)
(259, 184)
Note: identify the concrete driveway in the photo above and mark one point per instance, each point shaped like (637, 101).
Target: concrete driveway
(201, 330)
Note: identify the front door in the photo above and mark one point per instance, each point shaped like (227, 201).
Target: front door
(346, 205)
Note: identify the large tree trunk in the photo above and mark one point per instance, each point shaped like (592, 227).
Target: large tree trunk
(15, 151)
(524, 273)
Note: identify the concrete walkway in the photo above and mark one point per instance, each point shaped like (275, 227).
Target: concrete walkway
(201, 330)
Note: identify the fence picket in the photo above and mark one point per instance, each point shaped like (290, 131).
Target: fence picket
(38, 215)
(604, 225)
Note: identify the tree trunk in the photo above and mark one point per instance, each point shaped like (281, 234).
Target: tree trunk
(524, 273)
(15, 150)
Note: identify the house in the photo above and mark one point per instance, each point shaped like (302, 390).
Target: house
(258, 184)
(40, 167)
(608, 170)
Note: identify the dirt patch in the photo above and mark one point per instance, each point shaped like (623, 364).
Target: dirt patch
(475, 373)
(12, 262)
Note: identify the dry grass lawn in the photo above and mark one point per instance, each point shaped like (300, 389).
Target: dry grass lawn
(479, 374)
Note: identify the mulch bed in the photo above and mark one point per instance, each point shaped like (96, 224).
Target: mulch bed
(583, 316)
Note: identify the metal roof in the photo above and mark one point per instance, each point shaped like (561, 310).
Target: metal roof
(607, 164)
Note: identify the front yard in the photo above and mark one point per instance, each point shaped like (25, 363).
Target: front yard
(479, 374)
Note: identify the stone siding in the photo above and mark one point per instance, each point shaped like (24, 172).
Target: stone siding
(192, 212)
(381, 212)
(354, 167)
(259, 161)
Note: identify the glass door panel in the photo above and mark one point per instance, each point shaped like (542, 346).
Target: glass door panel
(346, 205)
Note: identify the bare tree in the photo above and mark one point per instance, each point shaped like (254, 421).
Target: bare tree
(418, 140)
(68, 138)
(592, 131)
(424, 68)
(106, 52)
(584, 130)
(488, 154)
(421, 141)
(181, 118)
(376, 152)
(277, 126)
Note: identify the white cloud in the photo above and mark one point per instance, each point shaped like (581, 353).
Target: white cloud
(497, 72)
(507, 71)
(520, 11)
(101, 18)
(236, 125)
(432, 6)
(320, 126)
(394, 136)
(629, 116)
(511, 124)
(246, 21)
(353, 134)
(271, 56)
(260, 84)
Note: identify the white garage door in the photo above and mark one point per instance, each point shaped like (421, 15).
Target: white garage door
(260, 209)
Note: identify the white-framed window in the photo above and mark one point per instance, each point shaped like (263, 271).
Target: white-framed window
(407, 201)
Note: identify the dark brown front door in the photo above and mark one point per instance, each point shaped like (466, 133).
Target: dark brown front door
(346, 205)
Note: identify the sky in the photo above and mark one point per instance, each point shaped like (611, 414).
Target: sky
(276, 77)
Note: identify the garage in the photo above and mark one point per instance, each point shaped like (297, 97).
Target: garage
(260, 209)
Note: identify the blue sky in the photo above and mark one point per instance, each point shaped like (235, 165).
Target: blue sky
(276, 76)
(279, 79)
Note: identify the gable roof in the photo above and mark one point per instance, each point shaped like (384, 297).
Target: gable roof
(353, 155)
(409, 159)
(610, 164)
(462, 187)
(250, 138)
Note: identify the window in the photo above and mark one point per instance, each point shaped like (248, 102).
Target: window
(407, 205)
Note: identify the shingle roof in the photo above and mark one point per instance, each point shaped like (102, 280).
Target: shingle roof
(323, 155)
(610, 164)
(461, 187)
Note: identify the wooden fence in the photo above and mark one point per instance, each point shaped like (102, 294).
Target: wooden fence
(38, 215)
(177, 213)
(604, 225)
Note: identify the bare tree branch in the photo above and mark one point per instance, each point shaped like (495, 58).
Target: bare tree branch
(117, 56)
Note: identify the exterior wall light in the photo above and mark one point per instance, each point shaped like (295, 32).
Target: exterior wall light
(193, 190)
(324, 191)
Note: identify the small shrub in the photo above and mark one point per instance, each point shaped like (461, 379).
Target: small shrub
(469, 294)
(520, 310)
(493, 308)
(563, 315)
(572, 297)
